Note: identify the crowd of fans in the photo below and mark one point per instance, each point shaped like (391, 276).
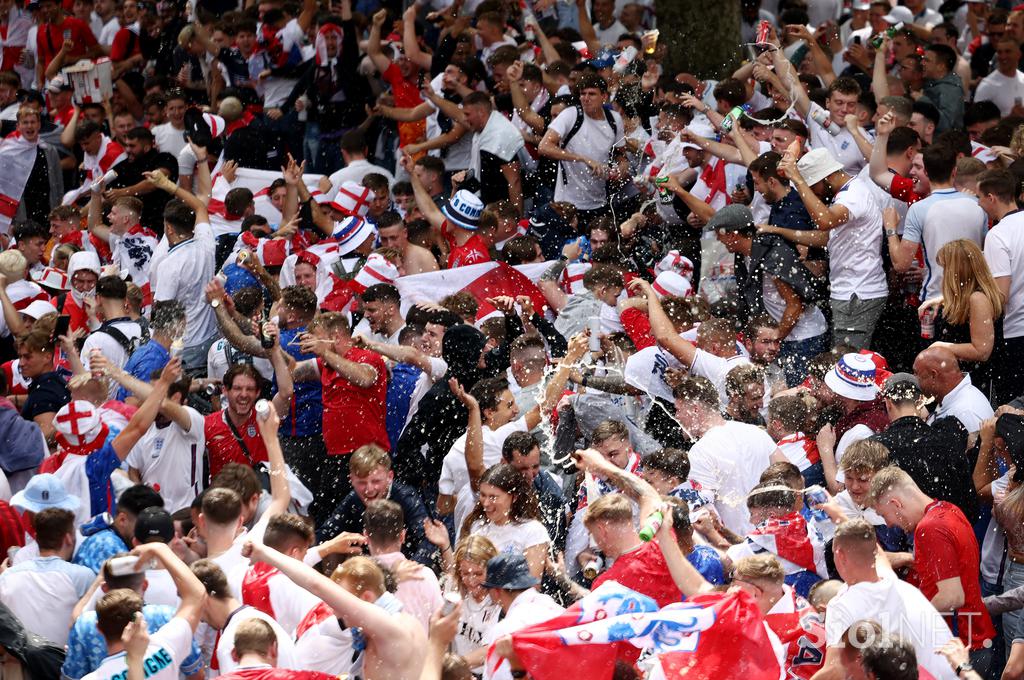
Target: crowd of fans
(348, 339)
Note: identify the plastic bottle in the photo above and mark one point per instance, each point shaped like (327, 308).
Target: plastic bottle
(651, 526)
(451, 601)
(262, 409)
(624, 59)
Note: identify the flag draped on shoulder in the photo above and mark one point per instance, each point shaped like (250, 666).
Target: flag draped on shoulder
(17, 158)
(716, 635)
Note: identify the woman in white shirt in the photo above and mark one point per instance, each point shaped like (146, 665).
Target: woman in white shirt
(466, 576)
(508, 514)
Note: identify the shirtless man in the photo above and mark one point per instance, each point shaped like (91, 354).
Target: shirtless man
(394, 234)
(396, 644)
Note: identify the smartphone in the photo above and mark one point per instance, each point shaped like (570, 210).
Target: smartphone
(63, 324)
(856, 39)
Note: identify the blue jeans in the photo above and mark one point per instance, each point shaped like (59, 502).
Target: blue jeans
(322, 152)
(794, 356)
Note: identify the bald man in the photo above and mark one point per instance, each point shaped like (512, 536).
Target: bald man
(939, 374)
(946, 557)
(873, 593)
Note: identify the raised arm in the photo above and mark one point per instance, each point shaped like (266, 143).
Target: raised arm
(280, 493)
(661, 326)
(687, 579)
(163, 182)
(409, 42)
(373, 49)
(126, 440)
(474, 434)
(285, 385)
(190, 589)
(825, 217)
(401, 354)
(227, 324)
(67, 135)
(637, 489)
(424, 202)
(879, 161)
(141, 389)
(95, 220)
(879, 73)
(390, 632)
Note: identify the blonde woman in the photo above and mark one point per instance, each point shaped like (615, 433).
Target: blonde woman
(969, 320)
(465, 576)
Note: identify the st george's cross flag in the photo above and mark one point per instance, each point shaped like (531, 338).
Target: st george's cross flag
(17, 158)
(711, 636)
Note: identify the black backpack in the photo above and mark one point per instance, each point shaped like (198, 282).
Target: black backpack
(128, 345)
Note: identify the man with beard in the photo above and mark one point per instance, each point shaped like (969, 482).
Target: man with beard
(143, 157)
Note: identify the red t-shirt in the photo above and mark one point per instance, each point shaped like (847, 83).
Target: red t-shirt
(945, 547)
(222, 447)
(123, 46)
(407, 96)
(644, 570)
(354, 416)
(473, 251)
(51, 36)
(269, 673)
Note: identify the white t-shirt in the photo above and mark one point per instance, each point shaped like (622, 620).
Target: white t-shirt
(49, 585)
(595, 139)
(512, 538)
(842, 147)
(528, 608)
(727, 462)
(132, 252)
(182, 274)
(169, 139)
(110, 347)
(715, 368)
(355, 172)
(218, 362)
(899, 608)
(855, 248)
(170, 460)
(289, 601)
(645, 370)
(1004, 252)
(454, 479)
(475, 621)
(943, 216)
(1001, 90)
(811, 322)
(168, 647)
(285, 646)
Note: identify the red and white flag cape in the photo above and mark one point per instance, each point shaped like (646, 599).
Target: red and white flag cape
(485, 280)
(711, 636)
(790, 539)
(256, 181)
(17, 157)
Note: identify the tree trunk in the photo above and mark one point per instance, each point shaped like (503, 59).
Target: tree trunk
(702, 36)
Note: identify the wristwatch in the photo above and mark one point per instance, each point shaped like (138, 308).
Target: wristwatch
(889, 233)
(215, 303)
(963, 668)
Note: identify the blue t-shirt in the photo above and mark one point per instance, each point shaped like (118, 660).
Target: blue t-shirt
(98, 548)
(148, 358)
(305, 417)
(87, 648)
